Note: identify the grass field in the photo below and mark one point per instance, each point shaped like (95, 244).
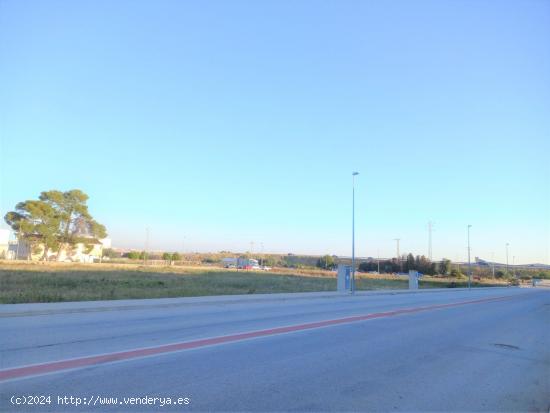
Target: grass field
(54, 282)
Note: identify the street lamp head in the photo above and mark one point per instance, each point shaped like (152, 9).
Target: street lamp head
(469, 226)
(355, 173)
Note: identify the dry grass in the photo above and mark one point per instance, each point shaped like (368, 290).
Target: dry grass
(22, 282)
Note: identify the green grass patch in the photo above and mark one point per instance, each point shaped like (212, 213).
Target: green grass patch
(55, 283)
(24, 286)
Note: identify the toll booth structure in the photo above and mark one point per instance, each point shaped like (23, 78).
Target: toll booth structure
(344, 278)
(413, 280)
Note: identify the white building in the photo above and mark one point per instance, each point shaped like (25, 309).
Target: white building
(92, 251)
(4, 243)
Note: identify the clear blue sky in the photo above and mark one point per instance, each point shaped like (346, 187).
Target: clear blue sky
(218, 123)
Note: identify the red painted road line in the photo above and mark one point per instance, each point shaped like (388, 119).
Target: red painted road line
(56, 366)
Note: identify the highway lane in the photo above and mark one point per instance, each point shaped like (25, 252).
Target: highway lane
(487, 356)
(28, 340)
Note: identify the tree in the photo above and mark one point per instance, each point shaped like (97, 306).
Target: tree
(424, 265)
(176, 256)
(326, 262)
(37, 224)
(410, 264)
(167, 256)
(386, 266)
(56, 221)
(367, 266)
(134, 255)
(76, 225)
(269, 261)
(499, 274)
(444, 266)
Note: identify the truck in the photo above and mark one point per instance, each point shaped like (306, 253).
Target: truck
(241, 263)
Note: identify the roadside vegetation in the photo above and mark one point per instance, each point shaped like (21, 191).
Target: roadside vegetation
(304, 264)
(55, 282)
(57, 229)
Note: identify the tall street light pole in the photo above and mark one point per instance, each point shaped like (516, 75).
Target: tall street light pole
(353, 175)
(430, 228)
(507, 244)
(469, 263)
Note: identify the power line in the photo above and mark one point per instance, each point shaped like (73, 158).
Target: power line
(398, 255)
(430, 229)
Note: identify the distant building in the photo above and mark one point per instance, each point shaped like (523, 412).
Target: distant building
(4, 243)
(92, 251)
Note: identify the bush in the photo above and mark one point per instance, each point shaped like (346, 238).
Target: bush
(269, 262)
(134, 255)
(143, 255)
(444, 266)
(110, 253)
(326, 262)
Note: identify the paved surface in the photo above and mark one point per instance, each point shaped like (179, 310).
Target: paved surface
(479, 350)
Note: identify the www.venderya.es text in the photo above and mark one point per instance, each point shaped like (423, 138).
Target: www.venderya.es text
(96, 400)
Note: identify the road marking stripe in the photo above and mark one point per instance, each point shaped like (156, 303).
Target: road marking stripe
(69, 364)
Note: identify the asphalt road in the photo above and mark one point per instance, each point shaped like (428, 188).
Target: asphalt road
(479, 350)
